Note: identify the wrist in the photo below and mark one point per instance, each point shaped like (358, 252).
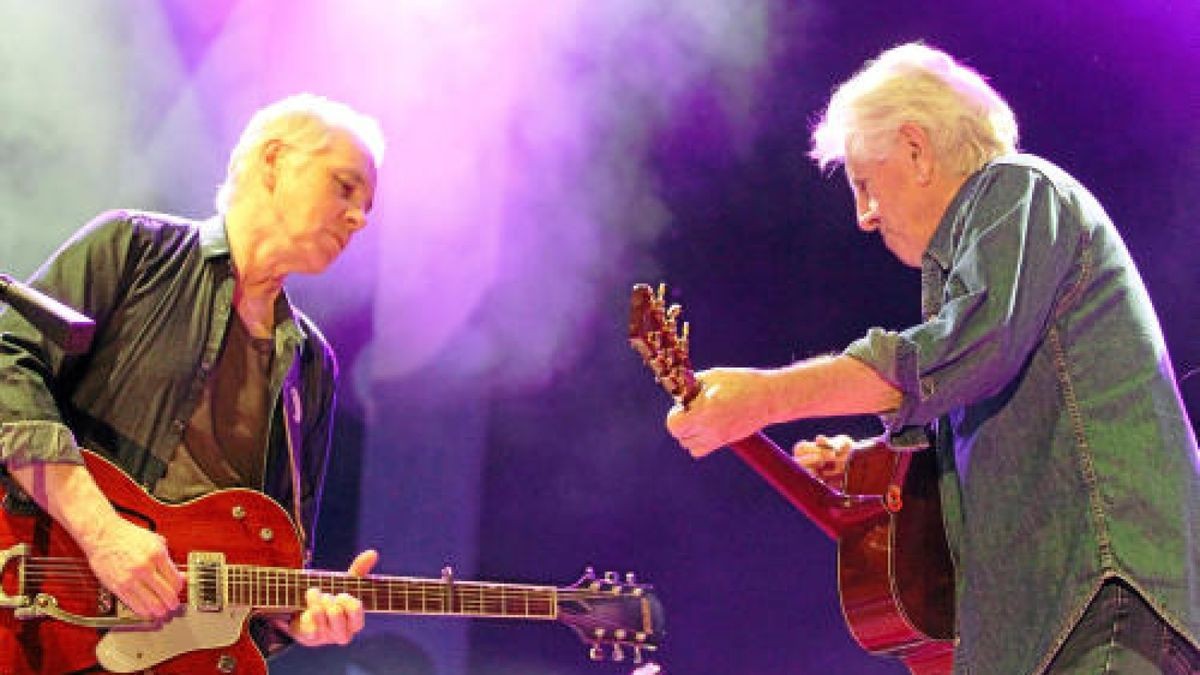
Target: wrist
(773, 406)
(93, 529)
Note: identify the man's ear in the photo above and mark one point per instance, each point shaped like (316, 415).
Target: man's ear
(917, 151)
(269, 158)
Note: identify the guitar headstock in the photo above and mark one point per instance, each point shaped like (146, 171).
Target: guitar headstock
(656, 334)
(613, 616)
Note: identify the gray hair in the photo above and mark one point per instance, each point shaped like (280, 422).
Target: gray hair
(304, 121)
(968, 122)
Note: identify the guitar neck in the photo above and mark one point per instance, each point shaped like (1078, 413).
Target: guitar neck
(831, 511)
(284, 590)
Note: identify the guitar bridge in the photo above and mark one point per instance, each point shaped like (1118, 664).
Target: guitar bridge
(206, 581)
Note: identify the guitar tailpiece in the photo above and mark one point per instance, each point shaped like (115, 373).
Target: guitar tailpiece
(47, 605)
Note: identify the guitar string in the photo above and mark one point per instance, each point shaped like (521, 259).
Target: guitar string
(47, 567)
(430, 596)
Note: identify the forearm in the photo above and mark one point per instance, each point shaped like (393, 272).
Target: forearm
(70, 495)
(128, 560)
(735, 402)
(827, 386)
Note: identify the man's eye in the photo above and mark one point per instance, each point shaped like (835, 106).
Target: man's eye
(345, 187)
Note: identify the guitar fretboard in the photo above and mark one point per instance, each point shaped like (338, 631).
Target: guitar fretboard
(280, 588)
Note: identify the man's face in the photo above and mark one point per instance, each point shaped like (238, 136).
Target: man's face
(322, 199)
(891, 198)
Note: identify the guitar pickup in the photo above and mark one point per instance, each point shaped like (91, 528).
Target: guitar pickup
(206, 581)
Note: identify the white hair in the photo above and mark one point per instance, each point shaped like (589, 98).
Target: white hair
(968, 122)
(304, 121)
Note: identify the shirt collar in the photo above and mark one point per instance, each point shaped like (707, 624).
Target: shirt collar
(214, 241)
(940, 249)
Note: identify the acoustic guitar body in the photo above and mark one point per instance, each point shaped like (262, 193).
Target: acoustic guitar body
(895, 574)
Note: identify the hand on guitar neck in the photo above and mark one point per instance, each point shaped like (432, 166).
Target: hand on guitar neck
(329, 618)
(727, 404)
(735, 403)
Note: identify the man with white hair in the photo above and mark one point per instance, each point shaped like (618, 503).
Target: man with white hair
(202, 374)
(1069, 470)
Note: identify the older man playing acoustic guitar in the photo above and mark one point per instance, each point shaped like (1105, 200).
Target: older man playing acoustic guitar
(1069, 470)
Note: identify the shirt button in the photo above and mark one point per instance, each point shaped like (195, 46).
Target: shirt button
(179, 425)
(928, 388)
(297, 407)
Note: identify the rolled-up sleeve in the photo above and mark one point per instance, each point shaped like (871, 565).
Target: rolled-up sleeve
(85, 273)
(35, 441)
(895, 359)
(1013, 249)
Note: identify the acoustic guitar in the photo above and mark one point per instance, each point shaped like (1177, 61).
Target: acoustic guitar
(895, 575)
(242, 555)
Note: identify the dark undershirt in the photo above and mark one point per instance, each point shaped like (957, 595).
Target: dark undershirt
(225, 440)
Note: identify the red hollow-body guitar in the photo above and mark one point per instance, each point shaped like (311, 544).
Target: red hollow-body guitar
(241, 555)
(895, 575)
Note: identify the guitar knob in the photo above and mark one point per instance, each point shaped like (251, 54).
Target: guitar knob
(226, 664)
(596, 653)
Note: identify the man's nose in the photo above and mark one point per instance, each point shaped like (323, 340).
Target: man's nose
(868, 220)
(356, 220)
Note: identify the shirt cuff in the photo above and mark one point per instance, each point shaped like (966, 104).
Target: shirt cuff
(894, 358)
(37, 441)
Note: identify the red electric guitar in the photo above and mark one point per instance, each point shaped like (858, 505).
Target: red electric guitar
(895, 576)
(241, 554)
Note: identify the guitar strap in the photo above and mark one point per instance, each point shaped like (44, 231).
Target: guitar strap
(293, 417)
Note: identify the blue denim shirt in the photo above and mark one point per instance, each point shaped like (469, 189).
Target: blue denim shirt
(1065, 451)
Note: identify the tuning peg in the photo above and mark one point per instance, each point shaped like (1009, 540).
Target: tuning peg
(630, 578)
(610, 577)
(596, 653)
(637, 655)
(618, 654)
(589, 573)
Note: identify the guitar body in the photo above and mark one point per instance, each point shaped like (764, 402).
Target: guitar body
(895, 574)
(241, 554)
(246, 526)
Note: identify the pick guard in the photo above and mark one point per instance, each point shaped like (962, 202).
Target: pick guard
(128, 650)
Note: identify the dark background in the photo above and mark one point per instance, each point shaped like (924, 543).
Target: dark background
(764, 255)
(668, 163)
